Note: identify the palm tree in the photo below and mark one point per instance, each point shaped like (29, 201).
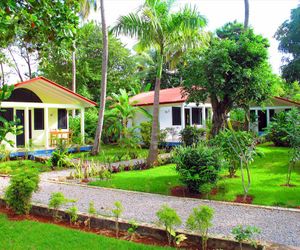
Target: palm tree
(246, 20)
(96, 146)
(170, 34)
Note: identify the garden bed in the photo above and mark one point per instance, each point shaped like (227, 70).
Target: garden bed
(148, 234)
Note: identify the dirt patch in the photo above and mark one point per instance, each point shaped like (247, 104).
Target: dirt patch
(240, 199)
(182, 191)
(288, 185)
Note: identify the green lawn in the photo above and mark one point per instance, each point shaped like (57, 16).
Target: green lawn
(113, 152)
(35, 235)
(8, 167)
(268, 173)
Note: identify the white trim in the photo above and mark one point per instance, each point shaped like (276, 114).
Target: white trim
(82, 125)
(271, 107)
(182, 116)
(46, 126)
(38, 105)
(26, 126)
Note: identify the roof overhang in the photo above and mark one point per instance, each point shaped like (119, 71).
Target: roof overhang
(51, 92)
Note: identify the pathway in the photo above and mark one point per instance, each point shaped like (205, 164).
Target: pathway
(277, 225)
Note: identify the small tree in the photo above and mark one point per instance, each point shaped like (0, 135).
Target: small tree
(73, 214)
(117, 211)
(293, 137)
(22, 185)
(242, 234)
(169, 219)
(200, 220)
(57, 199)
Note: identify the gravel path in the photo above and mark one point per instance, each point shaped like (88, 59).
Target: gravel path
(280, 226)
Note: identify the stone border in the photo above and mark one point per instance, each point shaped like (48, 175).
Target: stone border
(144, 229)
(205, 200)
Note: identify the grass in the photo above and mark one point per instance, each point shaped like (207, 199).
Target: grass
(268, 173)
(112, 152)
(35, 235)
(8, 167)
(155, 180)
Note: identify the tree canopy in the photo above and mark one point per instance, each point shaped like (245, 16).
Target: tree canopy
(288, 35)
(232, 72)
(121, 65)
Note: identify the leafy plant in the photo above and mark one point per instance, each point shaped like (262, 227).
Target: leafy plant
(169, 219)
(117, 211)
(197, 165)
(191, 135)
(104, 174)
(145, 132)
(57, 199)
(132, 229)
(293, 137)
(73, 214)
(205, 189)
(19, 192)
(226, 139)
(242, 234)
(201, 220)
(92, 210)
(60, 158)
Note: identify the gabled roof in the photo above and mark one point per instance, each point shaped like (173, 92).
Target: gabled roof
(49, 91)
(172, 95)
(175, 95)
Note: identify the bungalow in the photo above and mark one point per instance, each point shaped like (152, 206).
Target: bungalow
(42, 107)
(175, 113)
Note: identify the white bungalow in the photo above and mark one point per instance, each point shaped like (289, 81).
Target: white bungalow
(42, 107)
(175, 113)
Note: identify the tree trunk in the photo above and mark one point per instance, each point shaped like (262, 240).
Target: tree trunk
(153, 151)
(97, 142)
(246, 20)
(74, 74)
(218, 120)
(16, 65)
(2, 75)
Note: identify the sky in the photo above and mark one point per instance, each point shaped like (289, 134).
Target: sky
(265, 17)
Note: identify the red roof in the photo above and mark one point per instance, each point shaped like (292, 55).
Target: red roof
(173, 95)
(287, 100)
(58, 86)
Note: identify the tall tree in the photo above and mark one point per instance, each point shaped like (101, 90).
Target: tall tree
(169, 34)
(246, 20)
(288, 35)
(97, 141)
(232, 72)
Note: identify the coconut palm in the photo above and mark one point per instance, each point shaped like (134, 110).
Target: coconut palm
(246, 20)
(170, 34)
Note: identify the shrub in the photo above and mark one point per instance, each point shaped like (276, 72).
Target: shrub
(191, 135)
(73, 214)
(200, 220)
(169, 219)
(226, 141)
(197, 165)
(277, 129)
(242, 234)
(145, 131)
(117, 211)
(57, 199)
(60, 157)
(22, 185)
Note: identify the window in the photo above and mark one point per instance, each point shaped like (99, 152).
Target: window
(176, 116)
(62, 116)
(7, 114)
(197, 116)
(38, 119)
(271, 113)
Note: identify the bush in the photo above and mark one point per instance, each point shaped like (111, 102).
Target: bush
(18, 194)
(277, 129)
(191, 135)
(226, 139)
(145, 130)
(197, 165)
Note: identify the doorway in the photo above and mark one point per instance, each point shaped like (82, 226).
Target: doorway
(262, 120)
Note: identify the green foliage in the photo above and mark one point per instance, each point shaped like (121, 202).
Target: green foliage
(92, 210)
(60, 157)
(117, 211)
(233, 72)
(73, 214)
(201, 220)
(277, 130)
(121, 66)
(288, 35)
(197, 165)
(22, 185)
(132, 229)
(226, 139)
(57, 200)
(145, 131)
(206, 189)
(242, 234)
(191, 135)
(169, 218)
